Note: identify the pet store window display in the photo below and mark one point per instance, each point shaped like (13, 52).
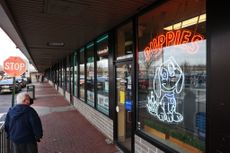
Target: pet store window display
(172, 74)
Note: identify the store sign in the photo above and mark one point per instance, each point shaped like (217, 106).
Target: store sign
(125, 57)
(103, 51)
(167, 83)
(173, 38)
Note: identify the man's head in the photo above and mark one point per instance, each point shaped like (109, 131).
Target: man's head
(23, 98)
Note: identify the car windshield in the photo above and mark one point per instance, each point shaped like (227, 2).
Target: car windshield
(7, 77)
(7, 81)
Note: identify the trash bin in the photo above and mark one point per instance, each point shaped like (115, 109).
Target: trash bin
(31, 91)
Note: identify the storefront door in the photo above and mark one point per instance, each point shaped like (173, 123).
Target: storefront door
(124, 107)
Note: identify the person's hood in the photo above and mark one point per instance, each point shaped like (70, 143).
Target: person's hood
(19, 110)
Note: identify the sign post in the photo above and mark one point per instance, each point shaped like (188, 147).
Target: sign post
(12, 102)
(14, 66)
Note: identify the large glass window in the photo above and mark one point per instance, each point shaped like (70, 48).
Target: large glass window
(124, 42)
(71, 74)
(56, 74)
(54, 78)
(103, 75)
(82, 75)
(172, 74)
(90, 74)
(75, 89)
(60, 74)
(64, 75)
(68, 75)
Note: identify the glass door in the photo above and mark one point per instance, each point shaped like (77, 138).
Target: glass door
(124, 105)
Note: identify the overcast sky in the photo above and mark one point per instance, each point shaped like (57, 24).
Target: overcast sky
(8, 48)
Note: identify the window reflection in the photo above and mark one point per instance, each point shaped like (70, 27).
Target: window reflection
(71, 59)
(82, 75)
(60, 74)
(102, 75)
(63, 75)
(75, 74)
(124, 44)
(90, 74)
(68, 75)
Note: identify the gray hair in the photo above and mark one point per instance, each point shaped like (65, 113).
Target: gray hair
(21, 96)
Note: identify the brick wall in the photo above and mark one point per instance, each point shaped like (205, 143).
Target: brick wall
(99, 120)
(142, 146)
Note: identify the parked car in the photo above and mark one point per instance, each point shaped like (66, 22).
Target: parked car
(6, 86)
(19, 79)
(26, 79)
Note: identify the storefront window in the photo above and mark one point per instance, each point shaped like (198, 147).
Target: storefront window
(54, 75)
(68, 75)
(172, 74)
(124, 38)
(82, 75)
(90, 74)
(56, 78)
(71, 74)
(75, 89)
(103, 75)
(64, 75)
(60, 74)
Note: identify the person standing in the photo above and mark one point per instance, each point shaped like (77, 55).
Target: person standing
(36, 77)
(42, 79)
(23, 126)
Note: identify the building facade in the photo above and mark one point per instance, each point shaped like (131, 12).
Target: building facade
(143, 84)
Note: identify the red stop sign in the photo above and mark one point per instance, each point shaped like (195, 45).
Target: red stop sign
(14, 66)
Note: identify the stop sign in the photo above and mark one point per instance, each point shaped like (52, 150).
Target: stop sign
(14, 66)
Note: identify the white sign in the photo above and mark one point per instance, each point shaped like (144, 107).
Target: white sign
(103, 101)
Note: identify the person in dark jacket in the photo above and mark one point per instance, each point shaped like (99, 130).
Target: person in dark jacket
(23, 126)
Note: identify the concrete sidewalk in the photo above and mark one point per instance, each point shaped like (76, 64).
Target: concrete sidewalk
(65, 129)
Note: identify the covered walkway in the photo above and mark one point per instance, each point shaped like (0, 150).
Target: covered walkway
(65, 129)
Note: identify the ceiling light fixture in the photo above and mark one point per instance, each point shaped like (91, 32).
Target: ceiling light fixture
(186, 23)
(56, 44)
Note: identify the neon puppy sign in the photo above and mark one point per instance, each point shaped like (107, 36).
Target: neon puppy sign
(168, 81)
(177, 37)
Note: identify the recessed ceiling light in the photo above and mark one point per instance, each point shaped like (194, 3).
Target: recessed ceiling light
(56, 44)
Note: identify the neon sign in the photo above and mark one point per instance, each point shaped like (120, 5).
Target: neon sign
(168, 81)
(171, 38)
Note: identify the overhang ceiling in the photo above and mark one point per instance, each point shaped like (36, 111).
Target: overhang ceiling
(73, 22)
